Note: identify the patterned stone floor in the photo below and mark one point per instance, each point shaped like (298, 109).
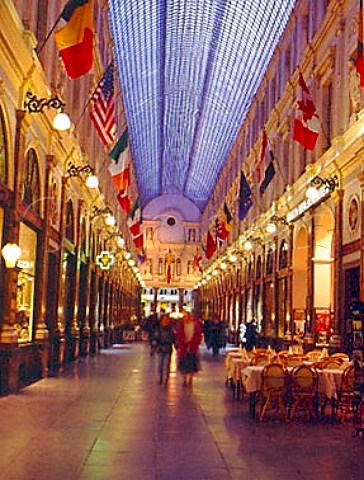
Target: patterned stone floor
(107, 418)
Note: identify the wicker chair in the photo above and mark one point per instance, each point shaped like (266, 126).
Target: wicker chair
(344, 357)
(260, 360)
(273, 390)
(304, 390)
(346, 393)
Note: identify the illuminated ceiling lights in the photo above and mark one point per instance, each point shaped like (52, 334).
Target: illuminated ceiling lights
(188, 73)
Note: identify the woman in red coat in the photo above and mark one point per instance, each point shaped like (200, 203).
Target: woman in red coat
(188, 337)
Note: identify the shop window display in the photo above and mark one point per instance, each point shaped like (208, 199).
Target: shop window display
(26, 283)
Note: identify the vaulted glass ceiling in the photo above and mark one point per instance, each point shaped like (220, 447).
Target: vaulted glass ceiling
(188, 71)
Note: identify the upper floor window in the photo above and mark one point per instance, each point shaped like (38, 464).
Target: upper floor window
(283, 255)
(191, 235)
(269, 265)
(31, 189)
(3, 151)
(149, 233)
(178, 266)
(70, 226)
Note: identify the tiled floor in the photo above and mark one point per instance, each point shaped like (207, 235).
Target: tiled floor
(107, 418)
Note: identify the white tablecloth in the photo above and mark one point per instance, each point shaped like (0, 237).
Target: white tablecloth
(329, 381)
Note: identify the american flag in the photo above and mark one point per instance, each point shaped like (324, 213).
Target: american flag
(103, 111)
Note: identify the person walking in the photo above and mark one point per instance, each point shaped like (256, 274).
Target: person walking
(188, 337)
(215, 336)
(251, 335)
(165, 338)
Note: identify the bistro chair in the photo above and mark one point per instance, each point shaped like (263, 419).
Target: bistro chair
(259, 360)
(344, 357)
(346, 392)
(332, 364)
(304, 390)
(273, 390)
(293, 361)
(314, 355)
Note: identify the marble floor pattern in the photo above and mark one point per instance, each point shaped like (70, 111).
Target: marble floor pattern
(107, 418)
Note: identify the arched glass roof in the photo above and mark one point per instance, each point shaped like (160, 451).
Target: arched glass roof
(188, 72)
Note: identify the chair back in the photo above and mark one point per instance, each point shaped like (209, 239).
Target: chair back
(332, 364)
(293, 361)
(347, 381)
(342, 356)
(304, 379)
(260, 360)
(274, 377)
(314, 355)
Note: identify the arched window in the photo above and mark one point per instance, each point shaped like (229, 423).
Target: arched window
(3, 151)
(83, 236)
(178, 267)
(258, 271)
(269, 265)
(250, 270)
(70, 227)
(31, 188)
(283, 255)
(54, 204)
(160, 266)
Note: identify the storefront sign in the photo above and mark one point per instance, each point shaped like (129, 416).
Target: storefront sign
(307, 204)
(105, 260)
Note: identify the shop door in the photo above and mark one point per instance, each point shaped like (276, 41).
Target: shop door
(352, 290)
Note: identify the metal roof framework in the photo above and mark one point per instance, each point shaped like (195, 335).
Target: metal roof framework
(188, 72)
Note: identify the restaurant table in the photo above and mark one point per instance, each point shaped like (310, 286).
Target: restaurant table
(329, 381)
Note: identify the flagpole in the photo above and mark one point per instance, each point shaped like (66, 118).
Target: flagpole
(38, 50)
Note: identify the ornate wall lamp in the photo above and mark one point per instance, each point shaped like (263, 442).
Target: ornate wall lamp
(109, 220)
(33, 104)
(11, 253)
(91, 179)
(317, 183)
(273, 222)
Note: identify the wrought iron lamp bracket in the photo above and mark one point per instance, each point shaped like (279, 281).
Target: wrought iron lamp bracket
(36, 105)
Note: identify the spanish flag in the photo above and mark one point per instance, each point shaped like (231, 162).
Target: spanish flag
(75, 39)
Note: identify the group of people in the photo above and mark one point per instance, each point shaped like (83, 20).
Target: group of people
(215, 334)
(184, 334)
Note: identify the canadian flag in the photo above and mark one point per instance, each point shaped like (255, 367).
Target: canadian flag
(307, 123)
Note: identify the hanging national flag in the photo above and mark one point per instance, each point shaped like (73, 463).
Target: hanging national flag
(228, 218)
(245, 201)
(197, 259)
(269, 171)
(119, 167)
(134, 219)
(307, 123)
(102, 113)
(75, 40)
(221, 231)
(142, 257)
(359, 61)
(268, 175)
(261, 163)
(124, 201)
(139, 242)
(210, 246)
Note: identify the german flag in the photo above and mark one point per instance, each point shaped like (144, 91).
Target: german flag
(75, 40)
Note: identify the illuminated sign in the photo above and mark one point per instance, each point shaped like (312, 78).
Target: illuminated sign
(105, 260)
